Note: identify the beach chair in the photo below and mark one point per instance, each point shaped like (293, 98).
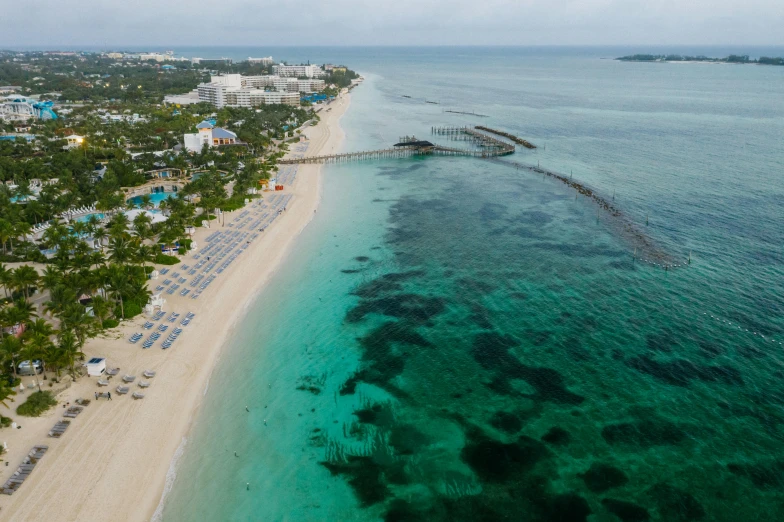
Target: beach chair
(144, 384)
(129, 378)
(122, 390)
(103, 382)
(138, 395)
(149, 374)
(73, 411)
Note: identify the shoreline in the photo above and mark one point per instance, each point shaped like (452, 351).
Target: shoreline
(116, 458)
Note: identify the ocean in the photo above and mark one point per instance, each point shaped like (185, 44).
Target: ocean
(460, 339)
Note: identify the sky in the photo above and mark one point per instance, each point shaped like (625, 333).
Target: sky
(113, 23)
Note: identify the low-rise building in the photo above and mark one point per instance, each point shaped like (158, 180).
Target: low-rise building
(73, 141)
(261, 61)
(210, 136)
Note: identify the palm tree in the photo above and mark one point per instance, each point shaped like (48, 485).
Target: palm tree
(40, 327)
(76, 319)
(99, 235)
(97, 259)
(5, 278)
(101, 308)
(60, 297)
(54, 235)
(10, 347)
(138, 291)
(118, 284)
(23, 278)
(51, 277)
(21, 312)
(120, 250)
(34, 346)
(5, 392)
(22, 230)
(69, 348)
(80, 228)
(35, 209)
(6, 233)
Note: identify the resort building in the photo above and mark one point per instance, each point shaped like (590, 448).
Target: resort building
(210, 136)
(182, 99)
(234, 90)
(298, 71)
(261, 61)
(283, 84)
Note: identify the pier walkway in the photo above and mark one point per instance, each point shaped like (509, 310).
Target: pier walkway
(485, 146)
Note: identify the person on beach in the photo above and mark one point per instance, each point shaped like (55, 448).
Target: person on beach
(96, 396)
(109, 394)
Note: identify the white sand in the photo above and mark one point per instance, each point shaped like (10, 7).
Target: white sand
(112, 462)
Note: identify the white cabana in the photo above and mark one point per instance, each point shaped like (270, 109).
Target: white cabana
(96, 366)
(155, 304)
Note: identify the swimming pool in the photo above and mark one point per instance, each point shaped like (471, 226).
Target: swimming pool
(155, 198)
(83, 219)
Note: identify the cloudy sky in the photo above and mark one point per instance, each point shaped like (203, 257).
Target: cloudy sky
(385, 22)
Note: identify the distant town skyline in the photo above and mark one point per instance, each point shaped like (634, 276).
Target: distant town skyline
(402, 22)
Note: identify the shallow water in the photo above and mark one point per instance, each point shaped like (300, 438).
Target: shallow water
(455, 339)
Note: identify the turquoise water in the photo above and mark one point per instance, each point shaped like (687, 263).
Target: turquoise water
(454, 339)
(85, 218)
(155, 198)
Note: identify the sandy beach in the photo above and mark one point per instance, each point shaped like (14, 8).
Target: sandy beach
(112, 462)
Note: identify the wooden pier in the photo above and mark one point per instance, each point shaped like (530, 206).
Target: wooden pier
(485, 146)
(354, 156)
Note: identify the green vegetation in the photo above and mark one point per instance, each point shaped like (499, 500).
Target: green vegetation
(4, 423)
(733, 58)
(92, 275)
(36, 404)
(163, 259)
(341, 78)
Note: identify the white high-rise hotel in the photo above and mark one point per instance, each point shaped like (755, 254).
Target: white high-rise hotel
(234, 90)
(298, 71)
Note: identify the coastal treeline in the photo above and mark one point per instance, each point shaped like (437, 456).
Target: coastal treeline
(733, 58)
(95, 77)
(64, 280)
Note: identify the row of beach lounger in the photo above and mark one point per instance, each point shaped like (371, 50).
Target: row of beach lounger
(162, 328)
(123, 389)
(24, 470)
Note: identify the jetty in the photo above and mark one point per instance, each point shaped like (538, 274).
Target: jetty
(519, 141)
(482, 145)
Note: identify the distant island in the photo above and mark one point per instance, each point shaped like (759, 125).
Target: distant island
(733, 58)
